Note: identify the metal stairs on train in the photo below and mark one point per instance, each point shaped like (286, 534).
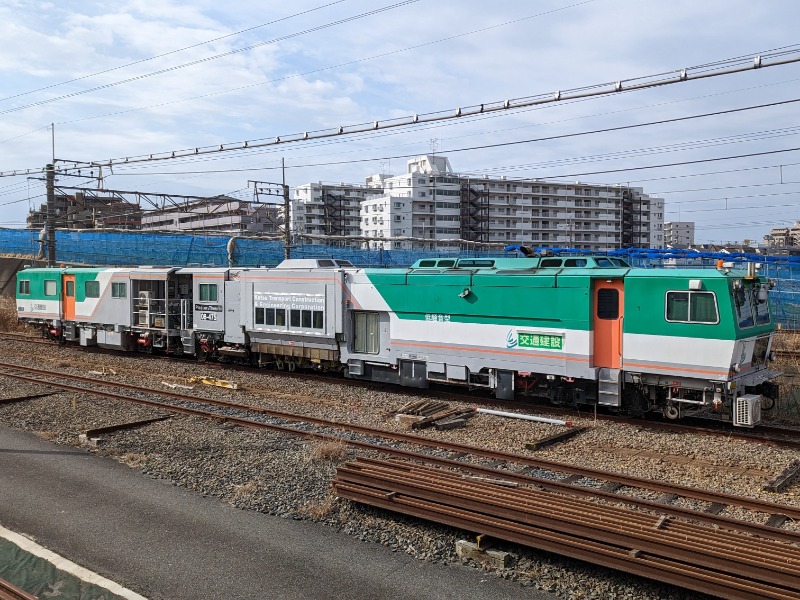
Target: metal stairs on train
(608, 386)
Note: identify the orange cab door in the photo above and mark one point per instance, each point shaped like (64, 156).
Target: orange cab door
(68, 297)
(608, 296)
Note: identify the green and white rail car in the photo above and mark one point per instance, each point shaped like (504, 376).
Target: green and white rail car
(583, 330)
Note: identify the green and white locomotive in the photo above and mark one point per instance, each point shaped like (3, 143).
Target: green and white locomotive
(586, 330)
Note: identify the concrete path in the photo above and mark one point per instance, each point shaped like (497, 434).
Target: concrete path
(166, 543)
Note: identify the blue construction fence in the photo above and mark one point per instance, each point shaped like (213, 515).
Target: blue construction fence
(164, 249)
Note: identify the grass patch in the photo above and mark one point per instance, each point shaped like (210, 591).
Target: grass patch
(327, 450)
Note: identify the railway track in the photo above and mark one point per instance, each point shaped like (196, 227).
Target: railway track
(722, 563)
(766, 434)
(606, 534)
(552, 475)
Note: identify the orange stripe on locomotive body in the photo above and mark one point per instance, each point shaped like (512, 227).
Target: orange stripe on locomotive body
(673, 369)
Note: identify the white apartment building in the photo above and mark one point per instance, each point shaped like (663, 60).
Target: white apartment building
(438, 209)
(322, 210)
(678, 233)
(431, 207)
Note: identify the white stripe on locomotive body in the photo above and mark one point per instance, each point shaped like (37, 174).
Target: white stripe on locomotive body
(481, 345)
(29, 308)
(698, 358)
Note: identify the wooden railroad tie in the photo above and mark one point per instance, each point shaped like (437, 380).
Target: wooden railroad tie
(784, 478)
(555, 438)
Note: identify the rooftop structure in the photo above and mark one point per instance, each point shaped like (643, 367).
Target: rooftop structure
(81, 211)
(221, 214)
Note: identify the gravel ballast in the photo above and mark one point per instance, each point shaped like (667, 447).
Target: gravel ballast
(290, 476)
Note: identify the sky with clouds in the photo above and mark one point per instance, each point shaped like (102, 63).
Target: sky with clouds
(136, 77)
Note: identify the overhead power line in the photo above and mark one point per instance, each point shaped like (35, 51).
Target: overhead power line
(486, 146)
(719, 68)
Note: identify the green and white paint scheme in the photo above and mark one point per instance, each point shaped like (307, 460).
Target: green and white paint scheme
(585, 330)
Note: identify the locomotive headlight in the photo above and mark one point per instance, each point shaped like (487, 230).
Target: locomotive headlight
(772, 356)
(762, 294)
(736, 368)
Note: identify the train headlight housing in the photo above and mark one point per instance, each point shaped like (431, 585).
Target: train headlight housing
(772, 356)
(736, 367)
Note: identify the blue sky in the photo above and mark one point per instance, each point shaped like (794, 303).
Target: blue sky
(117, 80)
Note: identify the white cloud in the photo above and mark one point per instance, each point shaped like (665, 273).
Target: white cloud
(287, 87)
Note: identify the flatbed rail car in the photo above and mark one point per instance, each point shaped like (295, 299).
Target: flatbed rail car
(580, 330)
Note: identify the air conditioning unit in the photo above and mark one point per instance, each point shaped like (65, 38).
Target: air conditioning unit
(143, 299)
(747, 410)
(144, 318)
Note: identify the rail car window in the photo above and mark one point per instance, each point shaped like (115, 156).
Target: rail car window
(692, 307)
(551, 262)
(69, 288)
(271, 316)
(208, 292)
(25, 286)
(49, 287)
(446, 263)
(476, 263)
(576, 262)
(365, 332)
(307, 319)
(92, 289)
(118, 290)
(427, 263)
(607, 303)
(749, 311)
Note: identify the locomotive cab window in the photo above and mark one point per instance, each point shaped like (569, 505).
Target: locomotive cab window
(365, 332)
(69, 288)
(49, 287)
(208, 292)
(25, 286)
(692, 307)
(118, 290)
(92, 289)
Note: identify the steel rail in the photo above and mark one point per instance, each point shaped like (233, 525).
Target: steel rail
(717, 548)
(621, 544)
(554, 466)
(764, 434)
(8, 591)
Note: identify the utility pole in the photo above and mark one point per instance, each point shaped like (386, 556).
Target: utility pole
(287, 229)
(51, 215)
(270, 188)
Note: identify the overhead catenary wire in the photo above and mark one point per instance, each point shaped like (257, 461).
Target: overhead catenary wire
(678, 76)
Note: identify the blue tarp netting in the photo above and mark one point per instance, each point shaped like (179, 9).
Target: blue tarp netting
(162, 249)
